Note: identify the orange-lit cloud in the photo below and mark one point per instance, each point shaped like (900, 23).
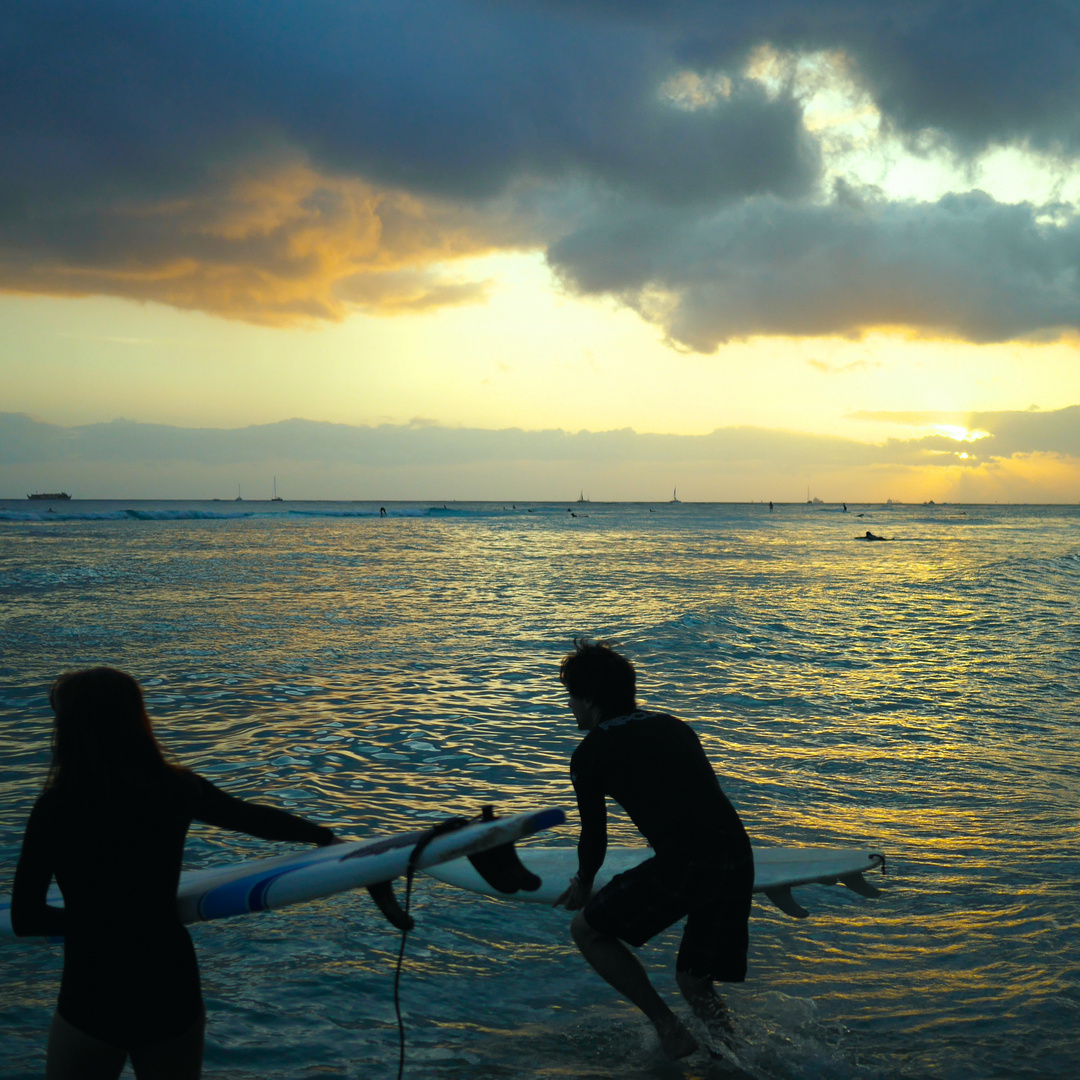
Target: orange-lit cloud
(285, 246)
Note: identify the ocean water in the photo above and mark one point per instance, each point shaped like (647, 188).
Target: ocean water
(918, 696)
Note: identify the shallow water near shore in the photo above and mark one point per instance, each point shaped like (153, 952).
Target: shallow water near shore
(918, 696)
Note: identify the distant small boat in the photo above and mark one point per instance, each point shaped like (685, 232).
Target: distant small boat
(50, 495)
(276, 497)
(674, 496)
(239, 497)
(581, 498)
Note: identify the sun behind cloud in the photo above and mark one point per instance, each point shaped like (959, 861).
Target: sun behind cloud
(961, 434)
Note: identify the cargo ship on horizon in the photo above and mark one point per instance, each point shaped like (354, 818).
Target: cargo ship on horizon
(48, 495)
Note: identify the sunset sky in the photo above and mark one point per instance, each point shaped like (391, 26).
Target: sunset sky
(472, 249)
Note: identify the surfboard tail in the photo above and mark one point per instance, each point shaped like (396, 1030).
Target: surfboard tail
(777, 870)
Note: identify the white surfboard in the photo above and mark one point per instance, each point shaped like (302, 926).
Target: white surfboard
(776, 871)
(278, 881)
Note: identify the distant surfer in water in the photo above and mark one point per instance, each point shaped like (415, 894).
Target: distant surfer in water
(870, 536)
(654, 767)
(110, 827)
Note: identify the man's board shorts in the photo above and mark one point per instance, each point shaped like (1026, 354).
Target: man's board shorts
(713, 897)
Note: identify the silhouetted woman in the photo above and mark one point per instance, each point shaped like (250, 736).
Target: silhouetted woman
(110, 827)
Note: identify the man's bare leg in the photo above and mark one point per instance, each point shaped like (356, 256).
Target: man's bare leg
(621, 969)
(708, 1006)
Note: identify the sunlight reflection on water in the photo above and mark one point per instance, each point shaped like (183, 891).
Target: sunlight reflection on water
(918, 696)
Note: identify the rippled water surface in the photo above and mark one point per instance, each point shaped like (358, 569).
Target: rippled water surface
(919, 696)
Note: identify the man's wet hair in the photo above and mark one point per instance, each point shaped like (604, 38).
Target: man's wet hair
(594, 670)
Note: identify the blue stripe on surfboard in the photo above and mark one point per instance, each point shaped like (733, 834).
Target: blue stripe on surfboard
(246, 894)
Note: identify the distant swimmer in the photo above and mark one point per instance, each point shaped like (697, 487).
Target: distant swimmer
(770, 504)
(382, 511)
(844, 506)
(871, 536)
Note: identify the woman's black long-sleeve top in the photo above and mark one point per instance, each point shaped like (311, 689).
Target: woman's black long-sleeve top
(130, 974)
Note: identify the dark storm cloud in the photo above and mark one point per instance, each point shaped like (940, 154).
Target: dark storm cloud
(452, 98)
(285, 159)
(974, 73)
(964, 266)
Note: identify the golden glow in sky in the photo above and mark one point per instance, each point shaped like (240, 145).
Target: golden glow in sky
(768, 243)
(529, 356)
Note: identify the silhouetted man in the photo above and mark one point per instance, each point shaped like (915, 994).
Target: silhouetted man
(653, 766)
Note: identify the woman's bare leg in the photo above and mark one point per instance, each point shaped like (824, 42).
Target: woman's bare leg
(74, 1055)
(179, 1058)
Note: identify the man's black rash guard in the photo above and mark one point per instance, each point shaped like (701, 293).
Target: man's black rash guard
(654, 767)
(130, 974)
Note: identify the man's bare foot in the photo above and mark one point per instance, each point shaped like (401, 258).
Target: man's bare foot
(675, 1038)
(710, 1009)
(722, 1033)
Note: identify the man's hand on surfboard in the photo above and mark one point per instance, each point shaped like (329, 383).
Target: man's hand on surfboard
(576, 895)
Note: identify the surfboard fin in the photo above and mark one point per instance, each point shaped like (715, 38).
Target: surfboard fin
(857, 883)
(382, 892)
(501, 868)
(787, 903)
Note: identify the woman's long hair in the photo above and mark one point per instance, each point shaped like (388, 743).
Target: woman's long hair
(102, 737)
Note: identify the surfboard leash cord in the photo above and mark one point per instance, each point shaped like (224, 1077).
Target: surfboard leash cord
(397, 975)
(449, 825)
